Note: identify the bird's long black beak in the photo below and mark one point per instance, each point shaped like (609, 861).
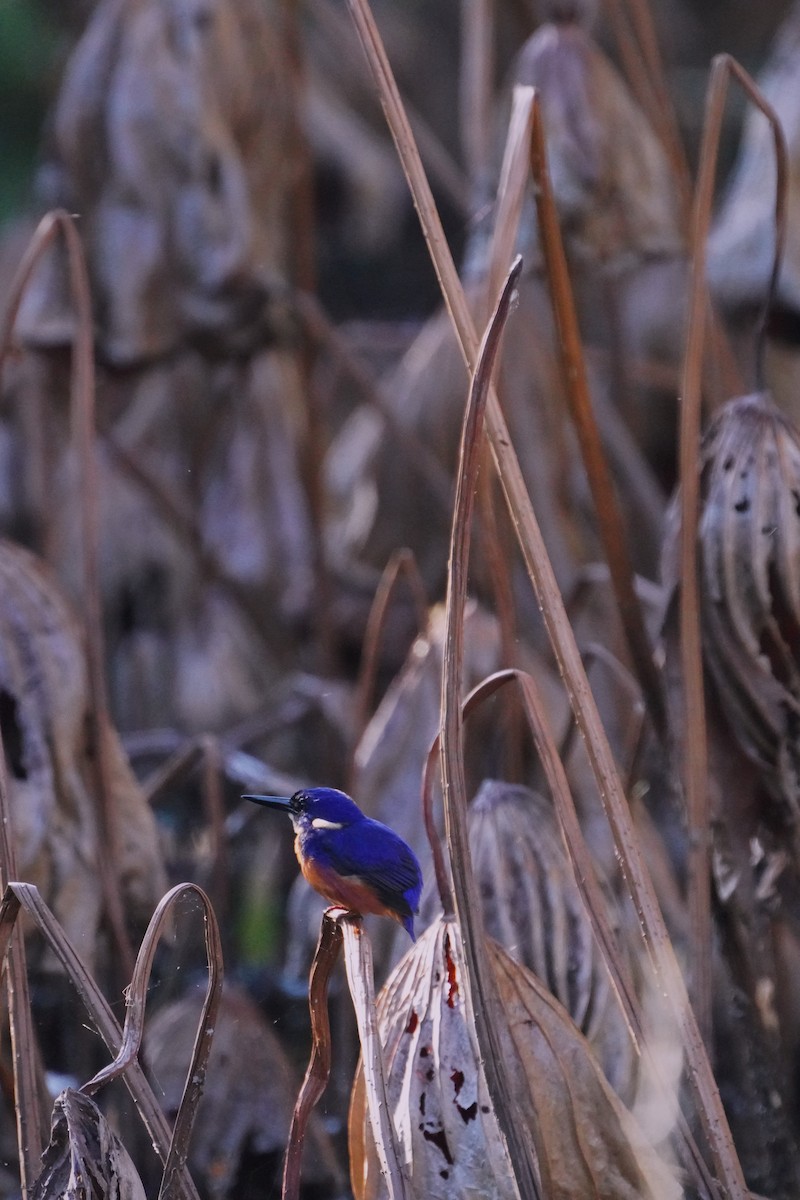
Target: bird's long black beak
(282, 802)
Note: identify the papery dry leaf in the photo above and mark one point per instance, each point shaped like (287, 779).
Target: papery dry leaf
(613, 183)
(749, 544)
(85, 1159)
(43, 710)
(447, 1131)
(445, 1125)
(593, 1144)
(250, 1089)
(532, 906)
(220, 443)
(170, 138)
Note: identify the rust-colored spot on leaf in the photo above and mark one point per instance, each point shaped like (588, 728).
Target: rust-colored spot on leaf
(413, 1022)
(452, 977)
(458, 1080)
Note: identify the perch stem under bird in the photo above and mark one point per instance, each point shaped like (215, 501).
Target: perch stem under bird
(350, 859)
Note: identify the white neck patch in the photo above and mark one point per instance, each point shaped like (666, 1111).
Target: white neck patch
(320, 823)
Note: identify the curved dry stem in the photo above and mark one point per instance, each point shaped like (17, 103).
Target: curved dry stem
(486, 1007)
(135, 1005)
(319, 1065)
(26, 896)
(695, 777)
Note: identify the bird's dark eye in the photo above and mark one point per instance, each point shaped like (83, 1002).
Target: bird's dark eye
(297, 802)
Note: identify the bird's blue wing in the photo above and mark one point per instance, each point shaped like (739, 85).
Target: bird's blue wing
(376, 854)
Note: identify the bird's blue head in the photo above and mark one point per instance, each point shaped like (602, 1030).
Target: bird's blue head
(315, 808)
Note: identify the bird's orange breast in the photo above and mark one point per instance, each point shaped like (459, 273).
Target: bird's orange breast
(348, 890)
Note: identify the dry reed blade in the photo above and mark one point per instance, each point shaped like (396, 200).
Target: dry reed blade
(26, 897)
(695, 778)
(29, 1095)
(319, 1065)
(82, 413)
(358, 964)
(576, 386)
(485, 1001)
(401, 565)
(562, 637)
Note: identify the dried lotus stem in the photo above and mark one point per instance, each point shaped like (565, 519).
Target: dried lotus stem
(319, 1066)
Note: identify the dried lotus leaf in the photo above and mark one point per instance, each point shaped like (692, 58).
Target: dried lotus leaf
(170, 138)
(249, 1092)
(447, 1132)
(749, 542)
(593, 1144)
(446, 1128)
(532, 906)
(612, 181)
(44, 706)
(85, 1159)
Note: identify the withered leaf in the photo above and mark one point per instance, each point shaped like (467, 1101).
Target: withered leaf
(437, 1091)
(169, 137)
(532, 906)
(611, 177)
(85, 1159)
(43, 711)
(749, 543)
(249, 1093)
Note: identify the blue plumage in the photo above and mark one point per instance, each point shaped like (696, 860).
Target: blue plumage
(351, 859)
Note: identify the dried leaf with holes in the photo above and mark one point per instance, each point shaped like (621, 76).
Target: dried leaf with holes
(43, 712)
(85, 1158)
(749, 545)
(244, 1114)
(437, 1091)
(171, 138)
(532, 907)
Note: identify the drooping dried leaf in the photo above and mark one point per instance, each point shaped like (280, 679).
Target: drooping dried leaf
(613, 183)
(250, 1090)
(447, 1130)
(85, 1159)
(593, 1144)
(533, 908)
(198, 454)
(749, 543)
(169, 137)
(43, 708)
